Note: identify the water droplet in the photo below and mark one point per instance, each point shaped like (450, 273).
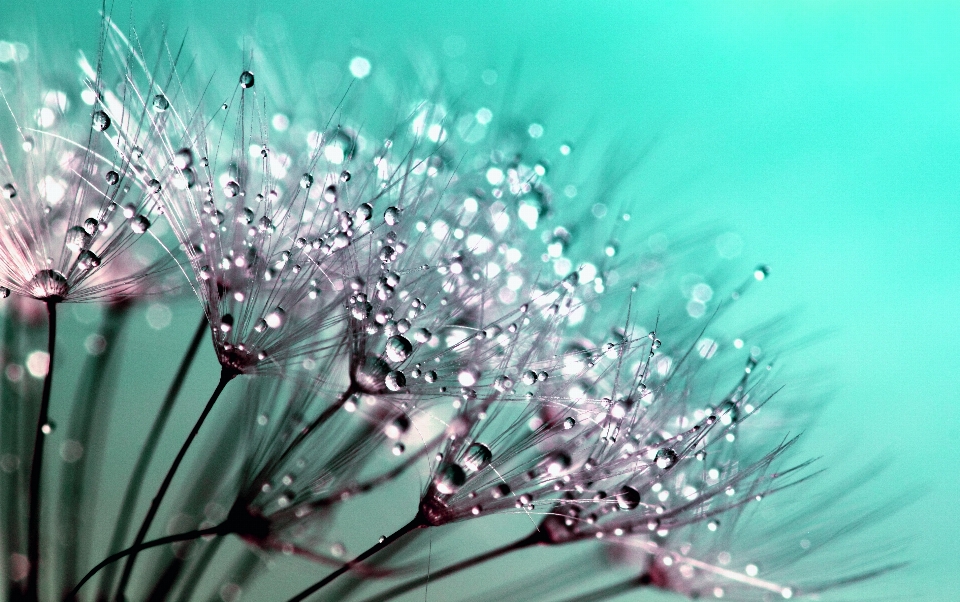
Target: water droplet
(395, 380)
(398, 349)
(728, 412)
(430, 376)
(246, 80)
(90, 225)
(391, 216)
(226, 323)
(183, 159)
(112, 177)
(761, 272)
(569, 422)
(665, 458)
(231, 189)
(398, 449)
(4, 292)
(330, 194)
(450, 478)
(503, 383)
(344, 176)
(477, 457)
(139, 224)
(628, 498)
(47, 284)
(87, 260)
(101, 121)
(306, 181)
(275, 318)
(160, 103)
(397, 427)
(529, 377)
(77, 239)
(153, 187)
(557, 463)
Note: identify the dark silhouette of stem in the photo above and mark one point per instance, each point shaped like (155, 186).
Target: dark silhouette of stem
(226, 375)
(531, 540)
(33, 497)
(416, 523)
(196, 534)
(135, 484)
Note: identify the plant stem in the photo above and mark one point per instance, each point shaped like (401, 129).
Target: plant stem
(135, 484)
(226, 375)
(33, 497)
(196, 534)
(416, 523)
(526, 542)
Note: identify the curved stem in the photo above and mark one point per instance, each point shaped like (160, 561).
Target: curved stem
(197, 534)
(226, 375)
(135, 484)
(416, 523)
(528, 541)
(33, 499)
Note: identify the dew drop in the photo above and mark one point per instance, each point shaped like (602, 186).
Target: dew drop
(557, 463)
(101, 121)
(112, 177)
(231, 189)
(4, 292)
(398, 349)
(275, 318)
(77, 239)
(477, 458)
(569, 422)
(628, 498)
(160, 103)
(761, 272)
(47, 284)
(139, 224)
(397, 427)
(728, 412)
(395, 380)
(90, 225)
(665, 458)
(183, 159)
(391, 216)
(87, 260)
(503, 383)
(529, 377)
(430, 376)
(246, 80)
(306, 181)
(9, 191)
(153, 187)
(226, 323)
(449, 479)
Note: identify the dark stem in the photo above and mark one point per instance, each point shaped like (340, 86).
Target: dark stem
(416, 523)
(196, 534)
(33, 497)
(533, 539)
(135, 484)
(226, 375)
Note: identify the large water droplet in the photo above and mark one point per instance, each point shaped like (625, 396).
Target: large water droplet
(112, 177)
(306, 181)
(101, 121)
(450, 478)
(391, 216)
(503, 383)
(47, 284)
(160, 103)
(9, 191)
(77, 239)
(398, 349)
(275, 318)
(87, 260)
(628, 498)
(140, 224)
(397, 427)
(477, 457)
(231, 189)
(246, 80)
(183, 159)
(665, 458)
(395, 380)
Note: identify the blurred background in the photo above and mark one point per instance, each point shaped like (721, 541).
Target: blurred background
(823, 135)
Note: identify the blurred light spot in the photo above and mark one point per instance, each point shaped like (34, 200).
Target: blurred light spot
(359, 67)
(38, 363)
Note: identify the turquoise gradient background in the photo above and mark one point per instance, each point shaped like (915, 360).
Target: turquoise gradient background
(826, 133)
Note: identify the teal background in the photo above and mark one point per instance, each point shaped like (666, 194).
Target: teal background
(826, 133)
